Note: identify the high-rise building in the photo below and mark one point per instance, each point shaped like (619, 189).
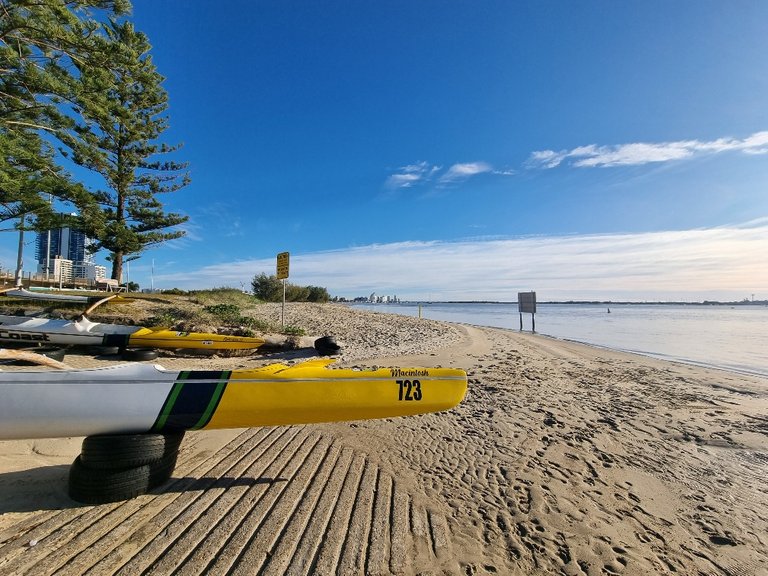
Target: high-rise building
(54, 248)
(65, 243)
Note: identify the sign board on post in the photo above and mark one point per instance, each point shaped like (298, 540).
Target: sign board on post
(283, 260)
(526, 302)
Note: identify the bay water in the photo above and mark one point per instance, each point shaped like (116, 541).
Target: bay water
(733, 338)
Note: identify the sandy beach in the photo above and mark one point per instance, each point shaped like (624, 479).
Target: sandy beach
(562, 459)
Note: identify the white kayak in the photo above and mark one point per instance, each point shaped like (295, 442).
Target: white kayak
(29, 295)
(84, 332)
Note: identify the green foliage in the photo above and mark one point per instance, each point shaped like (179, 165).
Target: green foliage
(294, 293)
(167, 317)
(121, 110)
(39, 44)
(267, 288)
(231, 315)
(174, 292)
(294, 331)
(318, 294)
(270, 289)
(224, 311)
(219, 295)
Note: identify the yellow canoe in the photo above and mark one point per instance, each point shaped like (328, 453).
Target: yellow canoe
(139, 398)
(163, 338)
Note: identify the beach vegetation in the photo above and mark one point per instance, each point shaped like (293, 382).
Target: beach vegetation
(120, 120)
(40, 45)
(293, 331)
(218, 296)
(77, 83)
(269, 289)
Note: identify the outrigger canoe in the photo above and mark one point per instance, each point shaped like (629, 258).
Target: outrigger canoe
(142, 398)
(85, 332)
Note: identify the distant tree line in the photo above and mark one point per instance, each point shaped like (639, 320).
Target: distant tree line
(77, 83)
(270, 289)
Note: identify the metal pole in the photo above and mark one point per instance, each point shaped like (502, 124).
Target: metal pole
(48, 248)
(48, 257)
(283, 315)
(61, 251)
(20, 257)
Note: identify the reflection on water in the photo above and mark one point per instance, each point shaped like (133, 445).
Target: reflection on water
(730, 337)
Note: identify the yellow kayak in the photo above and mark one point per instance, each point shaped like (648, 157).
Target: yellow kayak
(163, 338)
(141, 398)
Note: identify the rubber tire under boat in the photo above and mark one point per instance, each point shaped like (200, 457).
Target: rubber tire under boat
(128, 450)
(99, 486)
(103, 350)
(139, 354)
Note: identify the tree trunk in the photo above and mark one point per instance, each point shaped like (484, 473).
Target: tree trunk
(117, 266)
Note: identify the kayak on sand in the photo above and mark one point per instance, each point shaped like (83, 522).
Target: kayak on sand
(144, 398)
(85, 332)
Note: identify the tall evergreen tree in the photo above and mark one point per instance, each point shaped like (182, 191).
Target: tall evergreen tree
(39, 43)
(122, 118)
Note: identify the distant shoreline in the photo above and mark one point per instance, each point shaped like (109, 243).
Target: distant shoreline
(579, 302)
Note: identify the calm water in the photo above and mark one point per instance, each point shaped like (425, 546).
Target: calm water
(734, 338)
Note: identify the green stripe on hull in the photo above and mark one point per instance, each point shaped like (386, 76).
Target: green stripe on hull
(192, 400)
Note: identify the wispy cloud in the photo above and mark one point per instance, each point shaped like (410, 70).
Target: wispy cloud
(422, 173)
(410, 175)
(643, 153)
(715, 263)
(459, 172)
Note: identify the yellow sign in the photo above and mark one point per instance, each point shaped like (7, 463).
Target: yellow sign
(282, 265)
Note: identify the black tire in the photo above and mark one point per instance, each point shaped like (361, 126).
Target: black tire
(99, 486)
(139, 354)
(327, 346)
(161, 471)
(103, 350)
(117, 451)
(93, 486)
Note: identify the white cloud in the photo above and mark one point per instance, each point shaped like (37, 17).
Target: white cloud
(463, 171)
(643, 153)
(411, 175)
(423, 172)
(718, 263)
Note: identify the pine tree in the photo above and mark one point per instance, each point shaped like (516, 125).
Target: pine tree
(39, 43)
(121, 109)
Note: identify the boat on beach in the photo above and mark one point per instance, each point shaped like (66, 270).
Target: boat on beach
(144, 398)
(82, 331)
(49, 296)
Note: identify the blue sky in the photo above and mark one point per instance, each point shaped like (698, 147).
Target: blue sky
(467, 150)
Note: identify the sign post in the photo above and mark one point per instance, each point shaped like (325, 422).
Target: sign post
(283, 261)
(526, 302)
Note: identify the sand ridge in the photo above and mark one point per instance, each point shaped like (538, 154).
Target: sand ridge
(563, 459)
